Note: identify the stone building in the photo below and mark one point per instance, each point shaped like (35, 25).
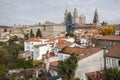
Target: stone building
(96, 18)
(82, 19)
(75, 18)
(49, 29)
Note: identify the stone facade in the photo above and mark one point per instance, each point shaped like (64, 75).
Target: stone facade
(49, 29)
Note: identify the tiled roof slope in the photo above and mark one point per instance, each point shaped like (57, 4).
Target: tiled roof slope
(115, 51)
(83, 52)
(110, 37)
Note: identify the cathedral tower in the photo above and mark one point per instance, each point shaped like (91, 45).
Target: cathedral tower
(75, 16)
(65, 15)
(82, 19)
(96, 17)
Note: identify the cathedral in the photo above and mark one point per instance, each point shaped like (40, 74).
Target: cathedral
(76, 19)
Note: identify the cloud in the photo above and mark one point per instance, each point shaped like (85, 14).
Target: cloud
(32, 11)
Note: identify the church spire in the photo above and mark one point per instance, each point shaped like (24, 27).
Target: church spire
(96, 17)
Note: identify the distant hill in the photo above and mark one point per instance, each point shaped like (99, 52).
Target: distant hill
(4, 26)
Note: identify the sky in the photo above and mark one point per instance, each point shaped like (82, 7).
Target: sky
(29, 12)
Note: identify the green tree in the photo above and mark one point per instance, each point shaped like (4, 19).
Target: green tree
(70, 34)
(2, 70)
(5, 30)
(3, 61)
(66, 68)
(22, 63)
(38, 33)
(113, 74)
(12, 40)
(31, 34)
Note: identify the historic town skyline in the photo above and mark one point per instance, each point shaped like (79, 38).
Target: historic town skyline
(31, 12)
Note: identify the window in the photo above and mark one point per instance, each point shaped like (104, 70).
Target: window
(44, 27)
(107, 60)
(112, 61)
(119, 63)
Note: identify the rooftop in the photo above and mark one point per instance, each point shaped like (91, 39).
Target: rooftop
(40, 45)
(110, 37)
(51, 54)
(33, 40)
(55, 63)
(64, 44)
(97, 75)
(115, 51)
(83, 52)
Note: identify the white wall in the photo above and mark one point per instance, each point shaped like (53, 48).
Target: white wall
(39, 51)
(29, 45)
(112, 62)
(92, 63)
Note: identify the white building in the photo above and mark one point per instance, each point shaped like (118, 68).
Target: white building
(91, 60)
(94, 62)
(39, 50)
(29, 44)
(113, 57)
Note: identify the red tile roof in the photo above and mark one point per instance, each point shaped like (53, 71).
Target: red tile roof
(33, 40)
(51, 54)
(55, 63)
(84, 52)
(110, 37)
(40, 45)
(64, 44)
(115, 51)
(97, 75)
(60, 39)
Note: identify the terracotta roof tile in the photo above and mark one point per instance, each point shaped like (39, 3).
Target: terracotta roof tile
(83, 52)
(115, 51)
(64, 44)
(97, 75)
(51, 54)
(40, 45)
(60, 40)
(33, 40)
(55, 63)
(110, 37)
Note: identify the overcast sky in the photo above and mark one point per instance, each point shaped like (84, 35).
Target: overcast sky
(34, 11)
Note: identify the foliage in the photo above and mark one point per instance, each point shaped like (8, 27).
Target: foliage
(26, 36)
(41, 79)
(113, 74)
(9, 53)
(12, 39)
(70, 34)
(2, 70)
(22, 63)
(31, 34)
(38, 33)
(77, 41)
(5, 30)
(77, 79)
(66, 68)
(3, 55)
(109, 30)
(8, 56)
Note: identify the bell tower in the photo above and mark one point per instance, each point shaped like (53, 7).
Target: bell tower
(75, 16)
(96, 17)
(65, 15)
